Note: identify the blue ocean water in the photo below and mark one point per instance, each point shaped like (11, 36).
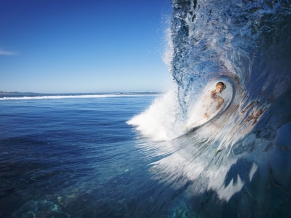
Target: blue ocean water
(79, 157)
(130, 155)
(75, 157)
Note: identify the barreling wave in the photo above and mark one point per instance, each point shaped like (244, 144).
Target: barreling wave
(239, 162)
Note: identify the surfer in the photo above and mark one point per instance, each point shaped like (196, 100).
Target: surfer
(214, 97)
(208, 100)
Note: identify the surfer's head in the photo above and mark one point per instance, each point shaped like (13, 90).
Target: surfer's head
(220, 86)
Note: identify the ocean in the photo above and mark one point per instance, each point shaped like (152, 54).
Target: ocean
(157, 154)
(80, 156)
(75, 157)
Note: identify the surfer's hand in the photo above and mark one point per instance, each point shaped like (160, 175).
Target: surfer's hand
(213, 94)
(206, 115)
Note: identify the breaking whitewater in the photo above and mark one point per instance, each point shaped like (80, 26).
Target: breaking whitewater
(239, 162)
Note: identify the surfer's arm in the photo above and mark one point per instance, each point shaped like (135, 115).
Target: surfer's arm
(213, 94)
(209, 95)
(219, 103)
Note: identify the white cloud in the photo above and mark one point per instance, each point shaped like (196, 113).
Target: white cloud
(5, 52)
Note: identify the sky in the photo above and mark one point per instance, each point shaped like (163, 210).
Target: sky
(64, 46)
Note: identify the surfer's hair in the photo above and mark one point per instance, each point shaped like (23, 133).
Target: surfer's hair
(221, 84)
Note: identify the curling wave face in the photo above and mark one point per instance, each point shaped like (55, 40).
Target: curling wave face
(239, 162)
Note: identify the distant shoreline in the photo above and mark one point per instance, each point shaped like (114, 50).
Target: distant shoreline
(66, 93)
(2, 93)
(14, 95)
